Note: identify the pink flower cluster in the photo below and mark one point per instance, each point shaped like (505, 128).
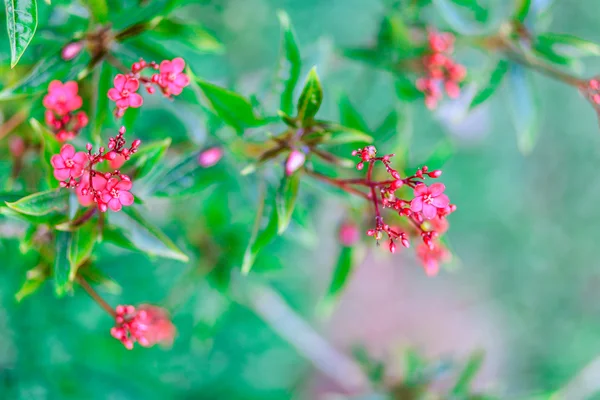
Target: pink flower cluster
(170, 79)
(425, 212)
(146, 325)
(78, 170)
(61, 102)
(440, 70)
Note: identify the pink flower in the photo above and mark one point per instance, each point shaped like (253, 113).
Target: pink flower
(171, 77)
(294, 162)
(147, 325)
(68, 163)
(349, 234)
(124, 92)
(116, 193)
(62, 98)
(210, 157)
(85, 193)
(429, 199)
(431, 257)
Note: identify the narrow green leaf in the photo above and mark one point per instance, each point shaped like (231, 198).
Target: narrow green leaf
(144, 236)
(148, 157)
(335, 134)
(193, 35)
(523, 107)
(286, 200)
(99, 10)
(42, 203)
(349, 115)
(456, 18)
(568, 45)
(370, 56)
(103, 80)
(393, 33)
(495, 79)
(260, 239)
(522, 10)
(94, 275)
(341, 275)
(462, 386)
(21, 22)
(50, 146)
(34, 279)
(442, 152)
(53, 67)
(81, 245)
(290, 63)
(61, 264)
(406, 89)
(311, 98)
(231, 107)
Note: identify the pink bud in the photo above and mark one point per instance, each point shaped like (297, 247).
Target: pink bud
(82, 119)
(71, 50)
(122, 130)
(392, 246)
(88, 147)
(210, 157)
(435, 174)
(405, 242)
(348, 234)
(136, 143)
(294, 162)
(360, 166)
(16, 146)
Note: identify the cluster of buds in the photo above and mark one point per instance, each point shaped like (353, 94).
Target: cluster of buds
(62, 102)
(78, 170)
(167, 76)
(425, 212)
(146, 325)
(440, 69)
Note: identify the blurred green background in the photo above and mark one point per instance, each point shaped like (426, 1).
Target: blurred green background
(525, 287)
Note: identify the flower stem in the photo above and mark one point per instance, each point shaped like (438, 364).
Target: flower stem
(337, 183)
(94, 295)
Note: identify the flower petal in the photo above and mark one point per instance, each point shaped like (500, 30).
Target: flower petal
(120, 81)
(62, 174)
(112, 182)
(76, 170)
(114, 94)
(165, 67)
(55, 86)
(174, 89)
(431, 267)
(436, 189)
(70, 88)
(123, 185)
(178, 65)
(57, 161)
(440, 201)
(74, 103)
(123, 103)
(182, 80)
(115, 205)
(429, 211)
(135, 100)
(126, 198)
(416, 205)
(421, 189)
(49, 101)
(99, 183)
(80, 158)
(67, 151)
(132, 85)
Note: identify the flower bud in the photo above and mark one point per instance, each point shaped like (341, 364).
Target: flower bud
(349, 234)
(210, 157)
(294, 162)
(392, 246)
(16, 146)
(71, 50)
(435, 174)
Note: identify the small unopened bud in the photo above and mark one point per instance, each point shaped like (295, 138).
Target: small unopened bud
(111, 155)
(210, 157)
(71, 50)
(122, 130)
(371, 232)
(136, 143)
(348, 234)
(392, 246)
(16, 146)
(360, 166)
(136, 67)
(101, 149)
(102, 207)
(435, 174)
(397, 184)
(89, 147)
(294, 162)
(405, 242)
(150, 89)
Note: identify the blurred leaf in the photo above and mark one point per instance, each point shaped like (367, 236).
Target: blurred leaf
(231, 107)
(192, 34)
(350, 117)
(492, 84)
(94, 275)
(341, 275)
(99, 10)
(522, 9)
(42, 203)
(21, 22)
(456, 18)
(81, 245)
(50, 147)
(286, 200)
(259, 240)
(442, 152)
(311, 97)
(406, 89)
(568, 46)
(48, 69)
(34, 279)
(144, 236)
(337, 134)
(463, 383)
(393, 33)
(290, 63)
(366, 55)
(148, 157)
(61, 264)
(103, 81)
(524, 110)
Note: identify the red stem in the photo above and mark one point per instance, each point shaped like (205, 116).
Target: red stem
(94, 295)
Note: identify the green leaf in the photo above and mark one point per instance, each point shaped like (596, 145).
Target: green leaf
(290, 63)
(234, 109)
(495, 79)
(48, 69)
(192, 34)
(440, 155)
(42, 203)
(462, 386)
(523, 107)
(144, 236)
(259, 240)
(21, 22)
(338, 134)
(61, 264)
(94, 275)
(456, 18)
(349, 115)
(522, 10)
(81, 245)
(185, 176)
(99, 10)
(35, 278)
(311, 98)
(406, 89)
(103, 80)
(369, 56)
(286, 200)
(50, 146)
(393, 33)
(341, 275)
(148, 157)
(568, 45)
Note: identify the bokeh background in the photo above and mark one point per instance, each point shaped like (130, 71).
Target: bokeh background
(524, 286)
